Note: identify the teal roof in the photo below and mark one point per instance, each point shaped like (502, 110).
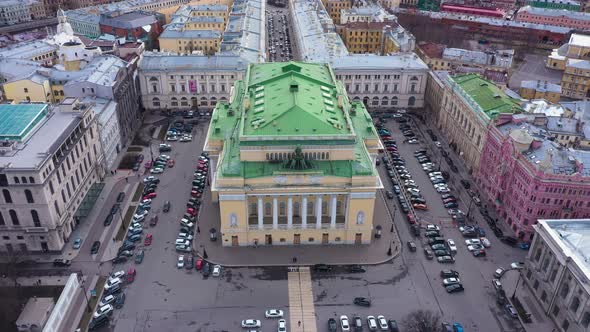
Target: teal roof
(294, 99)
(16, 121)
(292, 119)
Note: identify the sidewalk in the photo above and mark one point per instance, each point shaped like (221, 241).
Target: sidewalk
(374, 253)
(540, 321)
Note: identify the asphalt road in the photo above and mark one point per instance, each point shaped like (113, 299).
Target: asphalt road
(164, 298)
(278, 35)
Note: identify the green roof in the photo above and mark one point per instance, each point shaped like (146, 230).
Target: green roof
(16, 121)
(487, 95)
(294, 99)
(294, 119)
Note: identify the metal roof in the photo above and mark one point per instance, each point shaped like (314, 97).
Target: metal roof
(16, 121)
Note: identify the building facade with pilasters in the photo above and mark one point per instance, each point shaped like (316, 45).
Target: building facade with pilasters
(293, 159)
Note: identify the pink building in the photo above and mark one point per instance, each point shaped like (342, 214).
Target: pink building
(557, 17)
(526, 176)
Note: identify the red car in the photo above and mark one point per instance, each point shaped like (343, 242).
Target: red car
(131, 275)
(420, 206)
(199, 264)
(391, 148)
(171, 163)
(148, 164)
(196, 194)
(148, 240)
(191, 211)
(411, 219)
(150, 196)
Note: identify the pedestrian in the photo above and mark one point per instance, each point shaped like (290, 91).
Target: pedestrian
(127, 180)
(299, 323)
(39, 281)
(115, 171)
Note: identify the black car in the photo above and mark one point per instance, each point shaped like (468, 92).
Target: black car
(108, 220)
(415, 230)
(121, 197)
(454, 288)
(322, 268)
(356, 269)
(119, 260)
(98, 322)
(95, 247)
(432, 234)
(357, 323)
(115, 208)
(362, 301)
(465, 184)
(136, 166)
(509, 240)
(389, 194)
(166, 206)
(119, 301)
(62, 262)
(449, 274)
(206, 269)
(393, 325)
(332, 326)
(127, 246)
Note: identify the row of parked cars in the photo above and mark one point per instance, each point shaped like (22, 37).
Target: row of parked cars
(113, 297)
(253, 324)
(379, 323)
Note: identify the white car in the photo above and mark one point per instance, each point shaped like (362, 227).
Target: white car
(106, 301)
(451, 281)
(251, 323)
(186, 139)
(140, 215)
(372, 322)
(157, 170)
(182, 242)
(172, 138)
(344, 324)
(438, 144)
(180, 262)
(413, 190)
(164, 156)
(186, 223)
(443, 190)
(413, 141)
(452, 245)
(149, 179)
(440, 185)
(485, 242)
(185, 236)
(282, 326)
(382, 323)
(118, 274)
(475, 247)
(273, 313)
(216, 271)
(517, 266)
(183, 248)
(105, 310)
(112, 283)
(431, 227)
(471, 242)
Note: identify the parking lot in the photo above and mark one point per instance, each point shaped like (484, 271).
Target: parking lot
(165, 298)
(279, 42)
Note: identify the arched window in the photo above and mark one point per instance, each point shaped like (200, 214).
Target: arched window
(14, 217)
(203, 101)
(31, 179)
(575, 304)
(16, 180)
(394, 101)
(174, 102)
(213, 101)
(156, 102)
(413, 78)
(35, 217)
(153, 79)
(233, 220)
(384, 101)
(23, 179)
(7, 197)
(253, 209)
(267, 209)
(2, 222)
(412, 101)
(183, 101)
(586, 319)
(375, 101)
(29, 196)
(360, 218)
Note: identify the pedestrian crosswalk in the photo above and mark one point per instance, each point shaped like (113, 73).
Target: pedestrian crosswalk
(301, 307)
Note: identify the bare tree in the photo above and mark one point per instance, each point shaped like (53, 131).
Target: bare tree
(422, 321)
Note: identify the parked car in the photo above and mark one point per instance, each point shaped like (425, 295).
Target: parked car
(332, 325)
(166, 207)
(139, 256)
(250, 323)
(62, 262)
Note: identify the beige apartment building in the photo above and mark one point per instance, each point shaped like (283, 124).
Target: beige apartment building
(50, 161)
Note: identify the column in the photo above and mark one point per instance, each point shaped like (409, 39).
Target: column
(333, 205)
(275, 213)
(304, 212)
(260, 213)
(290, 212)
(318, 212)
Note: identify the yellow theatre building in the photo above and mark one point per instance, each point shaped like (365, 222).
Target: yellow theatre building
(293, 159)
